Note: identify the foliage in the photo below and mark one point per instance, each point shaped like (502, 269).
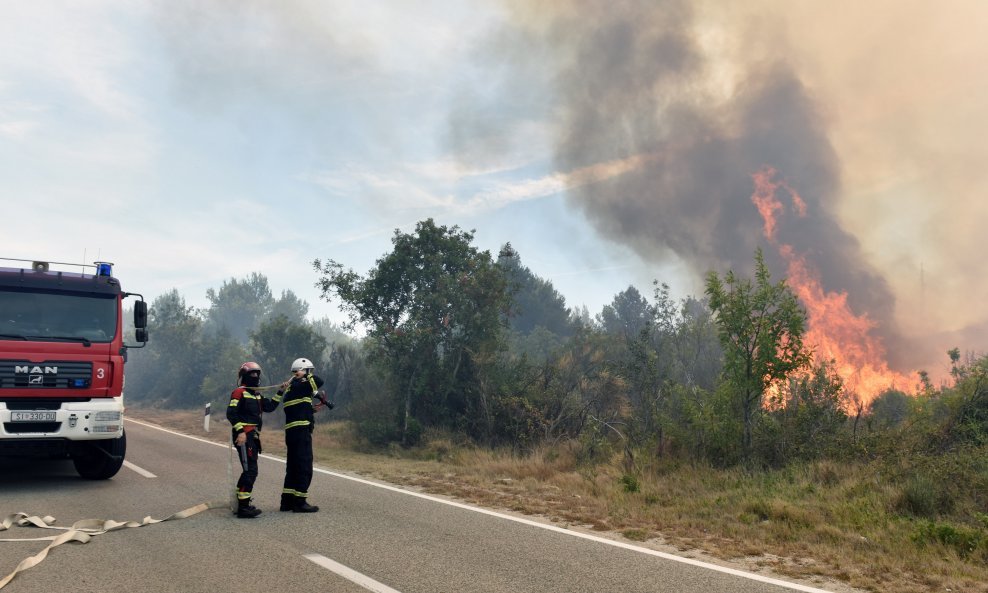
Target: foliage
(239, 305)
(966, 407)
(761, 331)
(278, 341)
(964, 540)
(290, 307)
(194, 355)
(538, 346)
(225, 355)
(535, 303)
(889, 409)
(628, 315)
(433, 311)
(923, 496)
(806, 418)
(168, 372)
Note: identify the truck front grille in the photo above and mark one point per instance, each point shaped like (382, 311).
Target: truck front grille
(51, 374)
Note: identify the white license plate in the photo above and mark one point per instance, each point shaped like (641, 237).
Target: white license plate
(32, 416)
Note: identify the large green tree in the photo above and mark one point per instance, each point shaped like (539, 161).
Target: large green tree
(289, 306)
(627, 315)
(170, 369)
(761, 327)
(278, 341)
(535, 302)
(433, 308)
(239, 305)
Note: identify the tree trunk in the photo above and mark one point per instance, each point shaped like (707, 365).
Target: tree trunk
(408, 405)
(747, 404)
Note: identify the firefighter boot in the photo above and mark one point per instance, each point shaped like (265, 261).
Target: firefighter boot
(302, 506)
(287, 502)
(245, 510)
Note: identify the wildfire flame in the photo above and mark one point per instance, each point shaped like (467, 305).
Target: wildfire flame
(834, 332)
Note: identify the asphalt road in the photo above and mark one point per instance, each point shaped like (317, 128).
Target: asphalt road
(367, 537)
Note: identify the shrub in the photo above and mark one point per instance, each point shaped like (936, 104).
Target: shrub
(630, 483)
(966, 541)
(923, 497)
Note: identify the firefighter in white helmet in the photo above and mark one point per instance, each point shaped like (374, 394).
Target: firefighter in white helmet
(301, 397)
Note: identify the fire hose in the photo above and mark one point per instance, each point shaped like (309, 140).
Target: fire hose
(84, 530)
(321, 394)
(81, 531)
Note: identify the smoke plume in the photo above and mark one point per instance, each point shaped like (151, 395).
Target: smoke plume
(650, 80)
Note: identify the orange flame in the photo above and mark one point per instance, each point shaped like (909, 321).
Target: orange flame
(833, 331)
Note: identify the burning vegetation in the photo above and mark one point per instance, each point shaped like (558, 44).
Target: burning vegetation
(834, 332)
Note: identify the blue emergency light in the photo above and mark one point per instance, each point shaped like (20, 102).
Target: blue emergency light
(104, 268)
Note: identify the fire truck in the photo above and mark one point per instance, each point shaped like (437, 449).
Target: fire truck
(62, 355)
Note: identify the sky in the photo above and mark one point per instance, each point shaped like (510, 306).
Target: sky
(612, 143)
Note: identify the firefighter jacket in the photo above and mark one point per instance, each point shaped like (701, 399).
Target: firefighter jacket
(246, 406)
(297, 401)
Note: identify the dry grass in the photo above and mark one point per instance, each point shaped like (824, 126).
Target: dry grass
(828, 525)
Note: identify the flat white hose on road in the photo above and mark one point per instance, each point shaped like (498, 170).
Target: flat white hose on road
(82, 531)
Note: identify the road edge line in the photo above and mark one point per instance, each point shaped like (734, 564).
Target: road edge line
(587, 536)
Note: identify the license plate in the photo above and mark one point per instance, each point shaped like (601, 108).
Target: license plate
(32, 416)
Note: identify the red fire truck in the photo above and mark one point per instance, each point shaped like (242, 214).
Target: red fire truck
(62, 355)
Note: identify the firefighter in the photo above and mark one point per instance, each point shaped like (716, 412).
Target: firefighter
(301, 397)
(244, 413)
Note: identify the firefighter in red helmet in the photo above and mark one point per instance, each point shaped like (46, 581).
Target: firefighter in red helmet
(244, 413)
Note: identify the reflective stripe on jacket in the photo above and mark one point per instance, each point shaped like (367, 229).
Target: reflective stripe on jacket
(246, 406)
(297, 401)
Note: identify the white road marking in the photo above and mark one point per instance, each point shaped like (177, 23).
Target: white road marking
(139, 469)
(349, 574)
(587, 536)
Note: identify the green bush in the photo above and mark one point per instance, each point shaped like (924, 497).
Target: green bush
(377, 431)
(966, 541)
(630, 483)
(922, 496)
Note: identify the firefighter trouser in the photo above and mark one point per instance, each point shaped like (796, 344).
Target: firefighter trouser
(248, 453)
(298, 469)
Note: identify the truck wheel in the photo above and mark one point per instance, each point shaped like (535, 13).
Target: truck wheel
(100, 460)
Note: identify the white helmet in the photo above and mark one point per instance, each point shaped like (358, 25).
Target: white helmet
(302, 363)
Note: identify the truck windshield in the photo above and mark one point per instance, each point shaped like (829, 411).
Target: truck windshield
(44, 315)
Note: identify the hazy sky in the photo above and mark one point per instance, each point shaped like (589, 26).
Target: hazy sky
(610, 142)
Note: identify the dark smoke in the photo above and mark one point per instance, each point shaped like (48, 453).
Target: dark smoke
(628, 78)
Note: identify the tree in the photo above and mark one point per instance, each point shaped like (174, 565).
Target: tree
(966, 407)
(534, 301)
(289, 306)
(809, 414)
(239, 306)
(761, 329)
(698, 350)
(433, 309)
(332, 331)
(225, 355)
(170, 369)
(278, 341)
(889, 409)
(627, 315)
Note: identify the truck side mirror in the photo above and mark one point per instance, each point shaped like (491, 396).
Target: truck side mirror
(141, 334)
(141, 317)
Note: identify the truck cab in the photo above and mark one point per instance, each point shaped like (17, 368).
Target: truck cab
(62, 357)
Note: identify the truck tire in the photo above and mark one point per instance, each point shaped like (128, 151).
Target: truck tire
(101, 460)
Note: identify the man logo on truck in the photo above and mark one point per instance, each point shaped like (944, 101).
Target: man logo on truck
(36, 370)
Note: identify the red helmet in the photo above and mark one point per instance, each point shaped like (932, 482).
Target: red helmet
(248, 367)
